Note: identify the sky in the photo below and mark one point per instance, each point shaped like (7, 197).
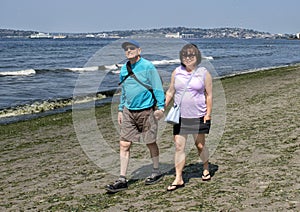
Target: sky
(69, 16)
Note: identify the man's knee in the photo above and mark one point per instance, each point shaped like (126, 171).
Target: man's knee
(125, 145)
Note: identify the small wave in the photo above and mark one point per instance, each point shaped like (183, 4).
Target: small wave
(244, 55)
(208, 58)
(165, 62)
(114, 68)
(25, 72)
(175, 61)
(96, 68)
(83, 69)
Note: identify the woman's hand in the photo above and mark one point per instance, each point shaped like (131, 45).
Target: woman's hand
(207, 117)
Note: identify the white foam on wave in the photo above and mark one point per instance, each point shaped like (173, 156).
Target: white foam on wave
(83, 69)
(25, 72)
(97, 68)
(114, 66)
(208, 58)
(175, 61)
(165, 62)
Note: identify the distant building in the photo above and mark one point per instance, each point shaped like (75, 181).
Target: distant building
(173, 35)
(114, 36)
(187, 35)
(106, 35)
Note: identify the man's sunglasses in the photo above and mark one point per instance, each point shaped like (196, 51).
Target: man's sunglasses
(130, 48)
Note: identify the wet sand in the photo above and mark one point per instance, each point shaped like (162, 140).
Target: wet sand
(256, 166)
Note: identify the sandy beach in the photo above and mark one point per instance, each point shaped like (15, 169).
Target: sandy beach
(256, 166)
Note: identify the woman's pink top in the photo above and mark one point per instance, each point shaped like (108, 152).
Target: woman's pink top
(193, 103)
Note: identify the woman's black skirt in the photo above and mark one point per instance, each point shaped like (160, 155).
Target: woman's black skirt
(191, 126)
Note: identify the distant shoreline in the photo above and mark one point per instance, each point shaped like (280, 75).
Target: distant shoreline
(223, 32)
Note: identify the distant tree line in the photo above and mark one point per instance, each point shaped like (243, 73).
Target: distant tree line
(197, 32)
(15, 33)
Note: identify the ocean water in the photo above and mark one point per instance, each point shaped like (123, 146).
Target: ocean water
(34, 71)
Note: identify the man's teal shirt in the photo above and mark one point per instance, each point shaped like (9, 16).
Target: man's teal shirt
(134, 95)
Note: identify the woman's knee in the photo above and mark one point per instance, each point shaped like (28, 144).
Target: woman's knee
(200, 146)
(179, 144)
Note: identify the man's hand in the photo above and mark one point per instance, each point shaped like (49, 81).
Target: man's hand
(120, 117)
(158, 114)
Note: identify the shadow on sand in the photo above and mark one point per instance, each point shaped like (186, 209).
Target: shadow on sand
(190, 171)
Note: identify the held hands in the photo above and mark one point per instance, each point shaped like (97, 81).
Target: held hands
(158, 114)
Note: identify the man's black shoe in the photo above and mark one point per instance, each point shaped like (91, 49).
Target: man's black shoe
(154, 178)
(117, 186)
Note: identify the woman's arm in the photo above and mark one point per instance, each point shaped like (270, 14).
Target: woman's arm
(208, 96)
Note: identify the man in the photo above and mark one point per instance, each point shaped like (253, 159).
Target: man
(141, 105)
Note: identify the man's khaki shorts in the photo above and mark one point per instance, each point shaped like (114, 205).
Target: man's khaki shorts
(137, 123)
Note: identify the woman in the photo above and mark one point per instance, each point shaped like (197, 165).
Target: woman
(191, 87)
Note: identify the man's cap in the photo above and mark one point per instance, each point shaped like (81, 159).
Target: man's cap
(130, 42)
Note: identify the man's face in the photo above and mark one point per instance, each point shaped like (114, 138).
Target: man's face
(132, 51)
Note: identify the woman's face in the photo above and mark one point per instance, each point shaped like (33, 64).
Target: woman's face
(189, 58)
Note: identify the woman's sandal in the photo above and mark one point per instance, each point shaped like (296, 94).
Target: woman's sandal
(206, 177)
(175, 187)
